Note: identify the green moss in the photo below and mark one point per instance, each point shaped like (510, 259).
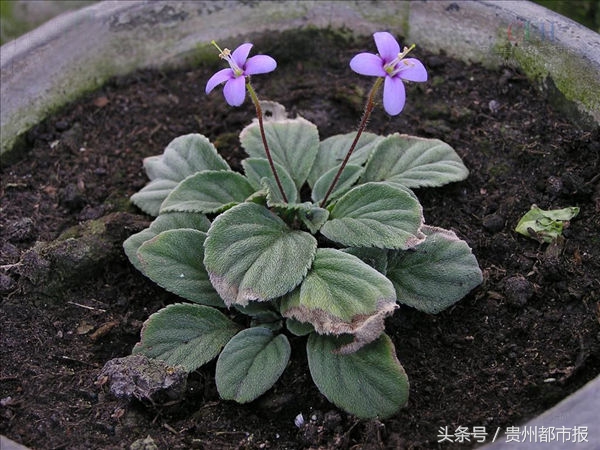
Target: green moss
(203, 54)
(499, 170)
(562, 74)
(89, 228)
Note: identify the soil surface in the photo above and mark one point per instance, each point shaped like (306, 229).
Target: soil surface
(515, 346)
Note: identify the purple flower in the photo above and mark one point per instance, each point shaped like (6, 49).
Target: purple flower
(391, 64)
(240, 66)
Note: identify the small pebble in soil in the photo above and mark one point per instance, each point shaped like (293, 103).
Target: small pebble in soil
(493, 223)
(146, 443)
(9, 253)
(575, 184)
(494, 106)
(331, 420)
(517, 290)
(554, 185)
(143, 378)
(71, 198)
(7, 284)
(61, 125)
(20, 230)
(434, 62)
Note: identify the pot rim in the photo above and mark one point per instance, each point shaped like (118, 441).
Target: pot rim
(78, 51)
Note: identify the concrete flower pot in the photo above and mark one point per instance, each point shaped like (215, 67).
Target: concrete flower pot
(78, 51)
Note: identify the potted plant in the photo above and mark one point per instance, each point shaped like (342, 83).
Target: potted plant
(318, 421)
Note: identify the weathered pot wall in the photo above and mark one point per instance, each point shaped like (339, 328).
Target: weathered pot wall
(78, 51)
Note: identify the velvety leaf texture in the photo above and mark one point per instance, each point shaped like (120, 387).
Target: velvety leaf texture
(342, 295)
(258, 168)
(414, 162)
(376, 215)
(435, 274)
(332, 152)
(185, 335)
(251, 363)
(294, 144)
(349, 176)
(251, 254)
(208, 192)
(162, 223)
(151, 196)
(369, 383)
(173, 260)
(183, 157)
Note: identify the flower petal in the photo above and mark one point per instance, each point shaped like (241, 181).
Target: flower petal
(412, 70)
(368, 64)
(218, 78)
(394, 95)
(240, 54)
(235, 91)
(260, 64)
(387, 46)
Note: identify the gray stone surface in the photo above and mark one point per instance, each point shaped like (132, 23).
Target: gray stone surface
(582, 409)
(79, 50)
(8, 444)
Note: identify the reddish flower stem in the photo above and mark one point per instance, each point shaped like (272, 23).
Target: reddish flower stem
(363, 124)
(264, 138)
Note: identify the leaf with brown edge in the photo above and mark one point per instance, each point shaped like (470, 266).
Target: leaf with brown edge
(252, 255)
(376, 215)
(342, 295)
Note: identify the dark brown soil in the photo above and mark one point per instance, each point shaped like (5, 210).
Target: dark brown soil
(518, 344)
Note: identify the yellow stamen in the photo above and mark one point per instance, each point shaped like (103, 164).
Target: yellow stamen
(226, 55)
(392, 67)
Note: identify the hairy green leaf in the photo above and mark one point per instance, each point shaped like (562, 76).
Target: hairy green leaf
(209, 191)
(414, 162)
(251, 363)
(349, 176)
(251, 254)
(293, 143)
(298, 328)
(342, 295)
(314, 218)
(256, 169)
(333, 150)
(162, 223)
(183, 157)
(375, 257)
(435, 274)
(376, 215)
(370, 383)
(264, 314)
(173, 260)
(185, 335)
(274, 196)
(151, 196)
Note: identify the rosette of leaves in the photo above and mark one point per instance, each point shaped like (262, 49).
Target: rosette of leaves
(255, 269)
